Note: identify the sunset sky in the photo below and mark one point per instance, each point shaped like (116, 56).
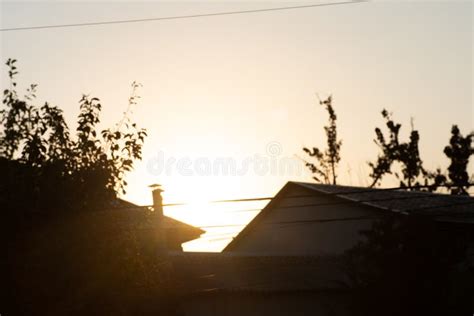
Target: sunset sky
(241, 89)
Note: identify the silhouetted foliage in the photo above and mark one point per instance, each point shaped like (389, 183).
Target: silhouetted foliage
(459, 151)
(63, 253)
(45, 169)
(410, 266)
(412, 170)
(405, 153)
(327, 160)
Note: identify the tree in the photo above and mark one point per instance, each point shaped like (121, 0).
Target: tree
(459, 151)
(327, 160)
(57, 249)
(45, 169)
(405, 153)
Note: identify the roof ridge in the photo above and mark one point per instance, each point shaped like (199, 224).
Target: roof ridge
(319, 187)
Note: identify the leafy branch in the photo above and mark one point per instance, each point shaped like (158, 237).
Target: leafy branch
(324, 169)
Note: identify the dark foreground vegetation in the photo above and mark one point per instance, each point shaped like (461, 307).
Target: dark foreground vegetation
(89, 263)
(413, 266)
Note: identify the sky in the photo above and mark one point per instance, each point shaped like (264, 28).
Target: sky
(229, 101)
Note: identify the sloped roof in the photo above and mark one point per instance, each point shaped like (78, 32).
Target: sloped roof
(441, 207)
(130, 212)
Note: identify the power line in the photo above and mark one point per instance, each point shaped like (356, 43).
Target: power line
(241, 211)
(220, 238)
(178, 17)
(308, 221)
(361, 217)
(407, 211)
(210, 235)
(412, 210)
(243, 200)
(388, 199)
(413, 190)
(219, 226)
(296, 222)
(417, 196)
(414, 195)
(326, 220)
(190, 204)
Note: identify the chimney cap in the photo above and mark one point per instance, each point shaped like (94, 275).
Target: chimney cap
(155, 187)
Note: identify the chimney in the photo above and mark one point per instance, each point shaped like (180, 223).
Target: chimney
(157, 198)
(158, 208)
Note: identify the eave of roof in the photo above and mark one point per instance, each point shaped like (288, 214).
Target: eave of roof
(192, 232)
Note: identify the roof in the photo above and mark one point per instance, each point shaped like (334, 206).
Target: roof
(181, 231)
(441, 207)
(402, 201)
(224, 272)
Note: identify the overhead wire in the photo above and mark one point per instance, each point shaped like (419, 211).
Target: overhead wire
(411, 210)
(177, 17)
(417, 195)
(339, 193)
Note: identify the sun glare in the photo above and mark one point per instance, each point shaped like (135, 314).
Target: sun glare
(221, 220)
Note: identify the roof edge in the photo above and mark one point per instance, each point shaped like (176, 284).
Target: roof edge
(259, 217)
